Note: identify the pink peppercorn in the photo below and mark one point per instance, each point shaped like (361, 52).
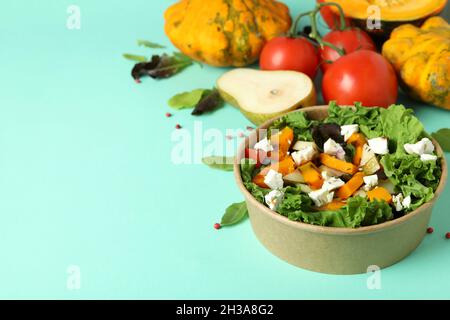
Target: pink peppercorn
(447, 235)
(168, 114)
(217, 226)
(430, 230)
(178, 126)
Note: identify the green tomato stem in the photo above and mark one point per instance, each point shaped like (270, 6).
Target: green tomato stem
(314, 30)
(293, 31)
(315, 34)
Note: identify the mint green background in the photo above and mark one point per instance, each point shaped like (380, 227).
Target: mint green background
(86, 177)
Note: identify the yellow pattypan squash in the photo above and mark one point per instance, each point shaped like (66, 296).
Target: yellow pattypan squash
(421, 56)
(225, 32)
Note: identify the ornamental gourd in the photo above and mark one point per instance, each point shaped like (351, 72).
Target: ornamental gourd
(225, 32)
(421, 57)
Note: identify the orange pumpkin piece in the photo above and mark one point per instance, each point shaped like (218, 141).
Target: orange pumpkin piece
(332, 206)
(357, 139)
(335, 163)
(284, 167)
(282, 142)
(348, 189)
(259, 180)
(379, 193)
(311, 175)
(358, 155)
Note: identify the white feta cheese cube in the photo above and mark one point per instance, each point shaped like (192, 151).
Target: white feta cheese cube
(304, 155)
(274, 198)
(333, 148)
(264, 145)
(424, 146)
(370, 182)
(321, 197)
(428, 157)
(429, 146)
(379, 145)
(397, 200)
(348, 130)
(332, 183)
(273, 179)
(300, 145)
(406, 203)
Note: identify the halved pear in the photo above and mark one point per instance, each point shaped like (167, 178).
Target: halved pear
(262, 95)
(294, 177)
(369, 162)
(331, 172)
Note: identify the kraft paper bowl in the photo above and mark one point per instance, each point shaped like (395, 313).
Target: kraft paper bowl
(336, 250)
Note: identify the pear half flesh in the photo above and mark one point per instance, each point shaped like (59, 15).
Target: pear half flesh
(263, 95)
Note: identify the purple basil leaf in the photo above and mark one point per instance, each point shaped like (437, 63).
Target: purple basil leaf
(160, 67)
(209, 102)
(322, 132)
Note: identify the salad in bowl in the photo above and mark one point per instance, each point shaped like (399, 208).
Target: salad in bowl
(356, 167)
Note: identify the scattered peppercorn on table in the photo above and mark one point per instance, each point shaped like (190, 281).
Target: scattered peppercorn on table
(95, 202)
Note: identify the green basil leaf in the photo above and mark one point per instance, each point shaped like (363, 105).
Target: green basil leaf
(186, 99)
(234, 214)
(181, 57)
(220, 163)
(442, 136)
(149, 44)
(134, 57)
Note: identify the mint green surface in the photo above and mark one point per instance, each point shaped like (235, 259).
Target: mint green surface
(86, 176)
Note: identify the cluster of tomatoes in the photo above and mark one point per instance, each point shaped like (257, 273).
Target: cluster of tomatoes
(352, 69)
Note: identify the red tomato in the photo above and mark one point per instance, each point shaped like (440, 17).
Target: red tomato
(350, 40)
(284, 53)
(362, 76)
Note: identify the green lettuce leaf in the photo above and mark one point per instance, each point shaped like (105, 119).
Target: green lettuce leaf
(298, 122)
(256, 191)
(368, 119)
(294, 200)
(414, 177)
(400, 126)
(358, 212)
(397, 123)
(375, 212)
